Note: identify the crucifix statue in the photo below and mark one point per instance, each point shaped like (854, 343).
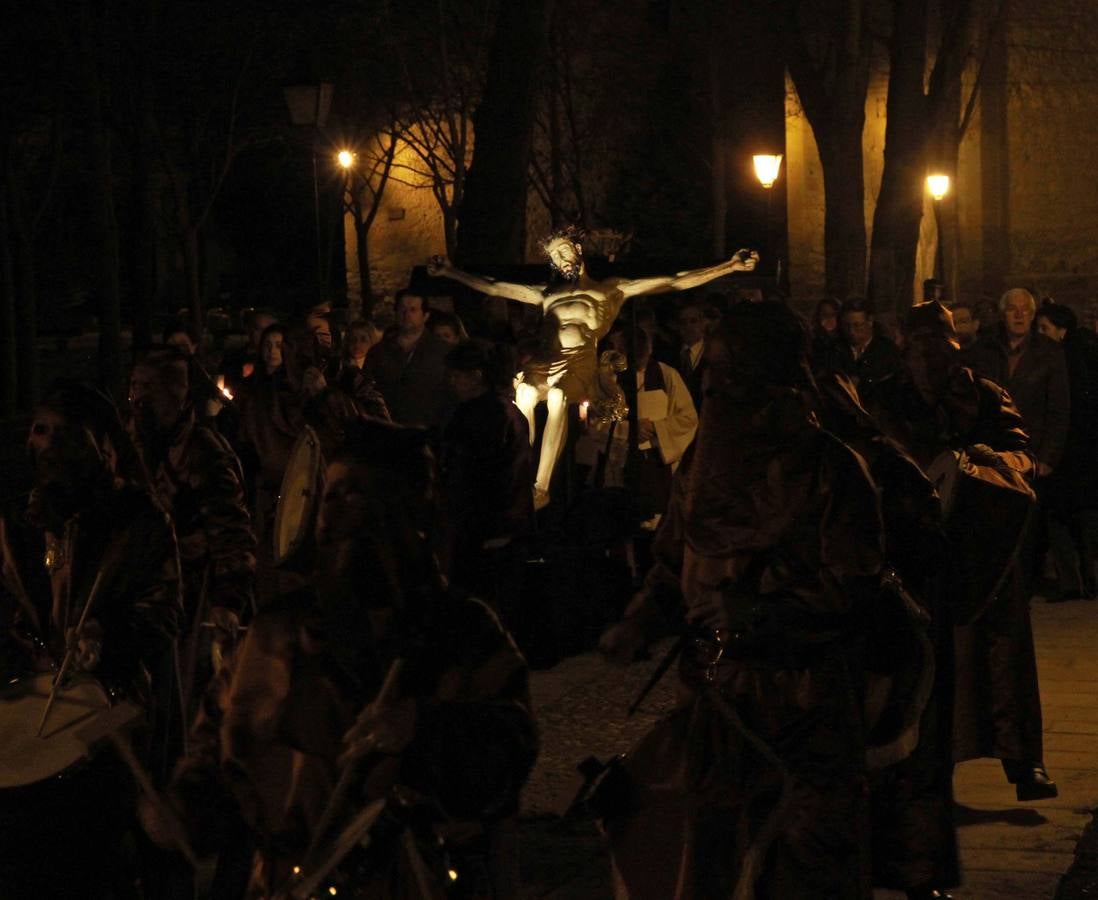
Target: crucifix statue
(580, 311)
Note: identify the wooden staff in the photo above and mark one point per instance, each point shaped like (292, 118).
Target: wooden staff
(70, 650)
(350, 771)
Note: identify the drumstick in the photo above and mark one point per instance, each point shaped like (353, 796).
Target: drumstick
(110, 725)
(61, 672)
(388, 689)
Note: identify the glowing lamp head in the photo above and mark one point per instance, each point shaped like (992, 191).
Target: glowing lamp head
(938, 185)
(345, 158)
(767, 168)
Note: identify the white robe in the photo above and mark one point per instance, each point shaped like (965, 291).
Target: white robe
(673, 415)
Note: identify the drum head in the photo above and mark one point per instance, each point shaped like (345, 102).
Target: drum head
(298, 497)
(24, 756)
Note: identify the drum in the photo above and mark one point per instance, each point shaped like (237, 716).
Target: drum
(26, 757)
(298, 498)
(986, 511)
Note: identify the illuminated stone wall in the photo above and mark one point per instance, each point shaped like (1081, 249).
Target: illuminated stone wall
(1024, 210)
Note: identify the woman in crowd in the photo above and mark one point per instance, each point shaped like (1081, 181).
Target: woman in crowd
(825, 334)
(270, 420)
(361, 336)
(447, 327)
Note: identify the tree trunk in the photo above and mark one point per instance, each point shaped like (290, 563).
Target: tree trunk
(192, 274)
(844, 208)
(26, 324)
(144, 238)
(9, 371)
(106, 229)
(362, 253)
(833, 98)
(492, 218)
(900, 204)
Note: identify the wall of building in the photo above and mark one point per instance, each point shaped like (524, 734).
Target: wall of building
(1052, 118)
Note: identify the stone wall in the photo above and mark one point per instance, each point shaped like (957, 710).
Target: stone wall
(1052, 146)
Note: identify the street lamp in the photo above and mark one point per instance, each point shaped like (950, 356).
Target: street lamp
(767, 167)
(346, 159)
(938, 186)
(308, 106)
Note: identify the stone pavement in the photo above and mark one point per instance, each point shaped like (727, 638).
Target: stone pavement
(1008, 849)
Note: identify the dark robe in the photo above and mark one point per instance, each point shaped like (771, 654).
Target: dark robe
(758, 777)
(997, 705)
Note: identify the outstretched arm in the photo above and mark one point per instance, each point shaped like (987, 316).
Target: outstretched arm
(741, 261)
(524, 293)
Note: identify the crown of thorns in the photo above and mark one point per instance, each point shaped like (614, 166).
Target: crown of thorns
(573, 234)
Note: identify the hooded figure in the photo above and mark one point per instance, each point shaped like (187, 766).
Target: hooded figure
(771, 547)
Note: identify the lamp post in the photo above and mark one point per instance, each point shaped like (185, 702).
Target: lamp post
(348, 206)
(308, 106)
(938, 186)
(767, 168)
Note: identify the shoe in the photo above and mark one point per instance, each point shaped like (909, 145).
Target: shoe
(929, 893)
(1035, 785)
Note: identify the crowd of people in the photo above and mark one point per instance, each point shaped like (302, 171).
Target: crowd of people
(838, 526)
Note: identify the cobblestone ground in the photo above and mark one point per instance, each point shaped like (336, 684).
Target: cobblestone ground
(581, 708)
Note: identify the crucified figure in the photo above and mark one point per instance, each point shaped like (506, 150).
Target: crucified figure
(580, 311)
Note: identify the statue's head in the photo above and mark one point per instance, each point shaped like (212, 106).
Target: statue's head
(565, 251)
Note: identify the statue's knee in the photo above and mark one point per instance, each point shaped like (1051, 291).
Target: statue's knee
(555, 399)
(526, 395)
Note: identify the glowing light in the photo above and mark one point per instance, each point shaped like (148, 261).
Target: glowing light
(453, 875)
(583, 410)
(938, 185)
(345, 158)
(332, 890)
(767, 168)
(226, 393)
(297, 870)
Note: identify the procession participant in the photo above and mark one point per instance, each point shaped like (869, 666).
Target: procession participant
(909, 652)
(457, 730)
(667, 423)
(408, 366)
(773, 544)
(197, 478)
(579, 311)
(87, 529)
(939, 405)
(486, 480)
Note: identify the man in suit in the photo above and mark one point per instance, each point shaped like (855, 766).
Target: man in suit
(691, 365)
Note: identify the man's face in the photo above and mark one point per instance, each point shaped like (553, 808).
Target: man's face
(1018, 311)
(260, 323)
(271, 351)
(966, 324)
(565, 257)
(691, 325)
(182, 341)
(447, 335)
(465, 385)
(929, 358)
(155, 407)
(62, 453)
(410, 314)
(643, 349)
(348, 506)
(858, 328)
(358, 343)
